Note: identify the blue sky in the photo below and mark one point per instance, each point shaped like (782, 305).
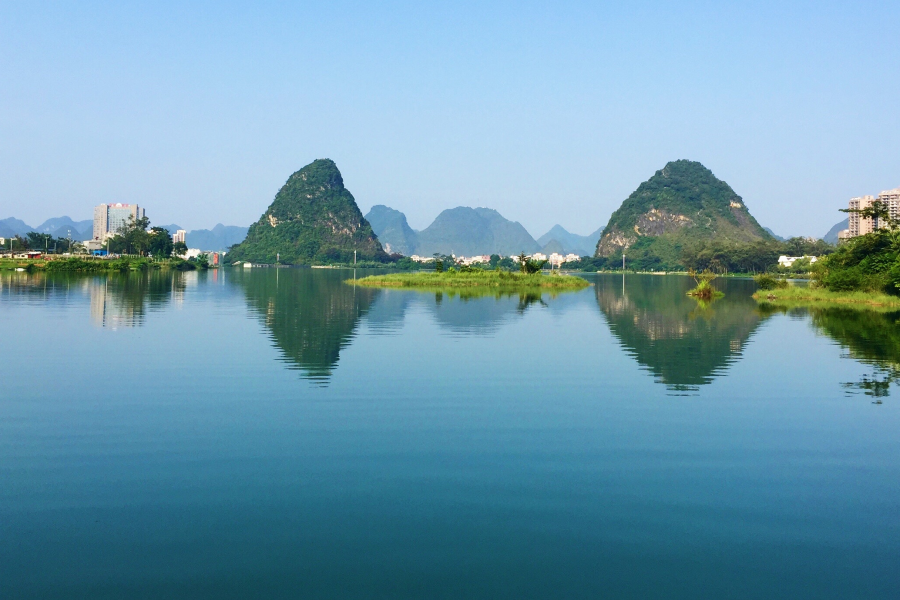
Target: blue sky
(550, 112)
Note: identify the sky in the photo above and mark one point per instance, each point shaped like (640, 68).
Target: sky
(550, 112)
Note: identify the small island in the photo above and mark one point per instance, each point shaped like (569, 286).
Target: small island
(495, 280)
(822, 297)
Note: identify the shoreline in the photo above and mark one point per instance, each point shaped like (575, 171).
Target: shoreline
(814, 296)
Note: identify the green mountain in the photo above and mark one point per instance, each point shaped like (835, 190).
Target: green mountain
(313, 219)
(392, 230)
(582, 245)
(468, 231)
(681, 204)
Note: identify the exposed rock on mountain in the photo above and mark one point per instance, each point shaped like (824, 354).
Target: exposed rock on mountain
(682, 203)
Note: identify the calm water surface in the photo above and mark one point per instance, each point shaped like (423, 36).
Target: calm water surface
(281, 434)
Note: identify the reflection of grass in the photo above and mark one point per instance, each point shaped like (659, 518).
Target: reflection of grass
(485, 282)
(815, 296)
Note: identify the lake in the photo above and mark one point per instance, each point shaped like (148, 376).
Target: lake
(278, 433)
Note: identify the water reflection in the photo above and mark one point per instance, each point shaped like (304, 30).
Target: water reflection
(310, 317)
(123, 300)
(869, 337)
(685, 344)
(116, 299)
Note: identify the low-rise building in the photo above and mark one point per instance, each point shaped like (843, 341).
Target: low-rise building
(788, 261)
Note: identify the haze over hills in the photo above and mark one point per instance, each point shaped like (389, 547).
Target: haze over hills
(774, 235)
(218, 239)
(832, 236)
(582, 245)
(680, 204)
(313, 219)
(462, 231)
(393, 230)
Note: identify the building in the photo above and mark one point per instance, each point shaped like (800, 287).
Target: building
(179, 236)
(862, 226)
(788, 261)
(110, 219)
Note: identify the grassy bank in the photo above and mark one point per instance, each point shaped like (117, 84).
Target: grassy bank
(479, 279)
(95, 265)
(819, 296)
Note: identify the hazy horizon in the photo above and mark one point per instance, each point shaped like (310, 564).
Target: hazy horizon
(547, 113)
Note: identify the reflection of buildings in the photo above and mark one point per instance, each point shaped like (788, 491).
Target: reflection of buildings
(109, 311)
(667, 332)
(124, 300)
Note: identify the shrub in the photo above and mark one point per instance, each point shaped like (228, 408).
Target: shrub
(843, 280)
(765, 281)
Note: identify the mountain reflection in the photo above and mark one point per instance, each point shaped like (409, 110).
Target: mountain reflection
(685, 344)
(311, 317)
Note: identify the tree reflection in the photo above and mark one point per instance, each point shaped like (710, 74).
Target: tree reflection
(868, 336)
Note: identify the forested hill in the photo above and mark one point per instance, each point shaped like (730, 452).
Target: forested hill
(682, 203)
(313, 219)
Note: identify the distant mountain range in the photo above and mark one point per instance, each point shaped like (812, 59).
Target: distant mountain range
(57, 227)
(466, 231)
(560, 240)
(217, 239)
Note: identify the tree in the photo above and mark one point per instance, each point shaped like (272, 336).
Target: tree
(160, 244)
(179, 248)
(529, 266)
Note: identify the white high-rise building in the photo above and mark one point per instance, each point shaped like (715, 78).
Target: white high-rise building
(110, 219)
(179, 236)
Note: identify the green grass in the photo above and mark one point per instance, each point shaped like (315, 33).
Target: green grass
(818, 296)
(497, 280)
(93, 265)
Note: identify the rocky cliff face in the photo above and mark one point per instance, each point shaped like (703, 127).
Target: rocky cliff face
(682, 202)
(313, 219)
